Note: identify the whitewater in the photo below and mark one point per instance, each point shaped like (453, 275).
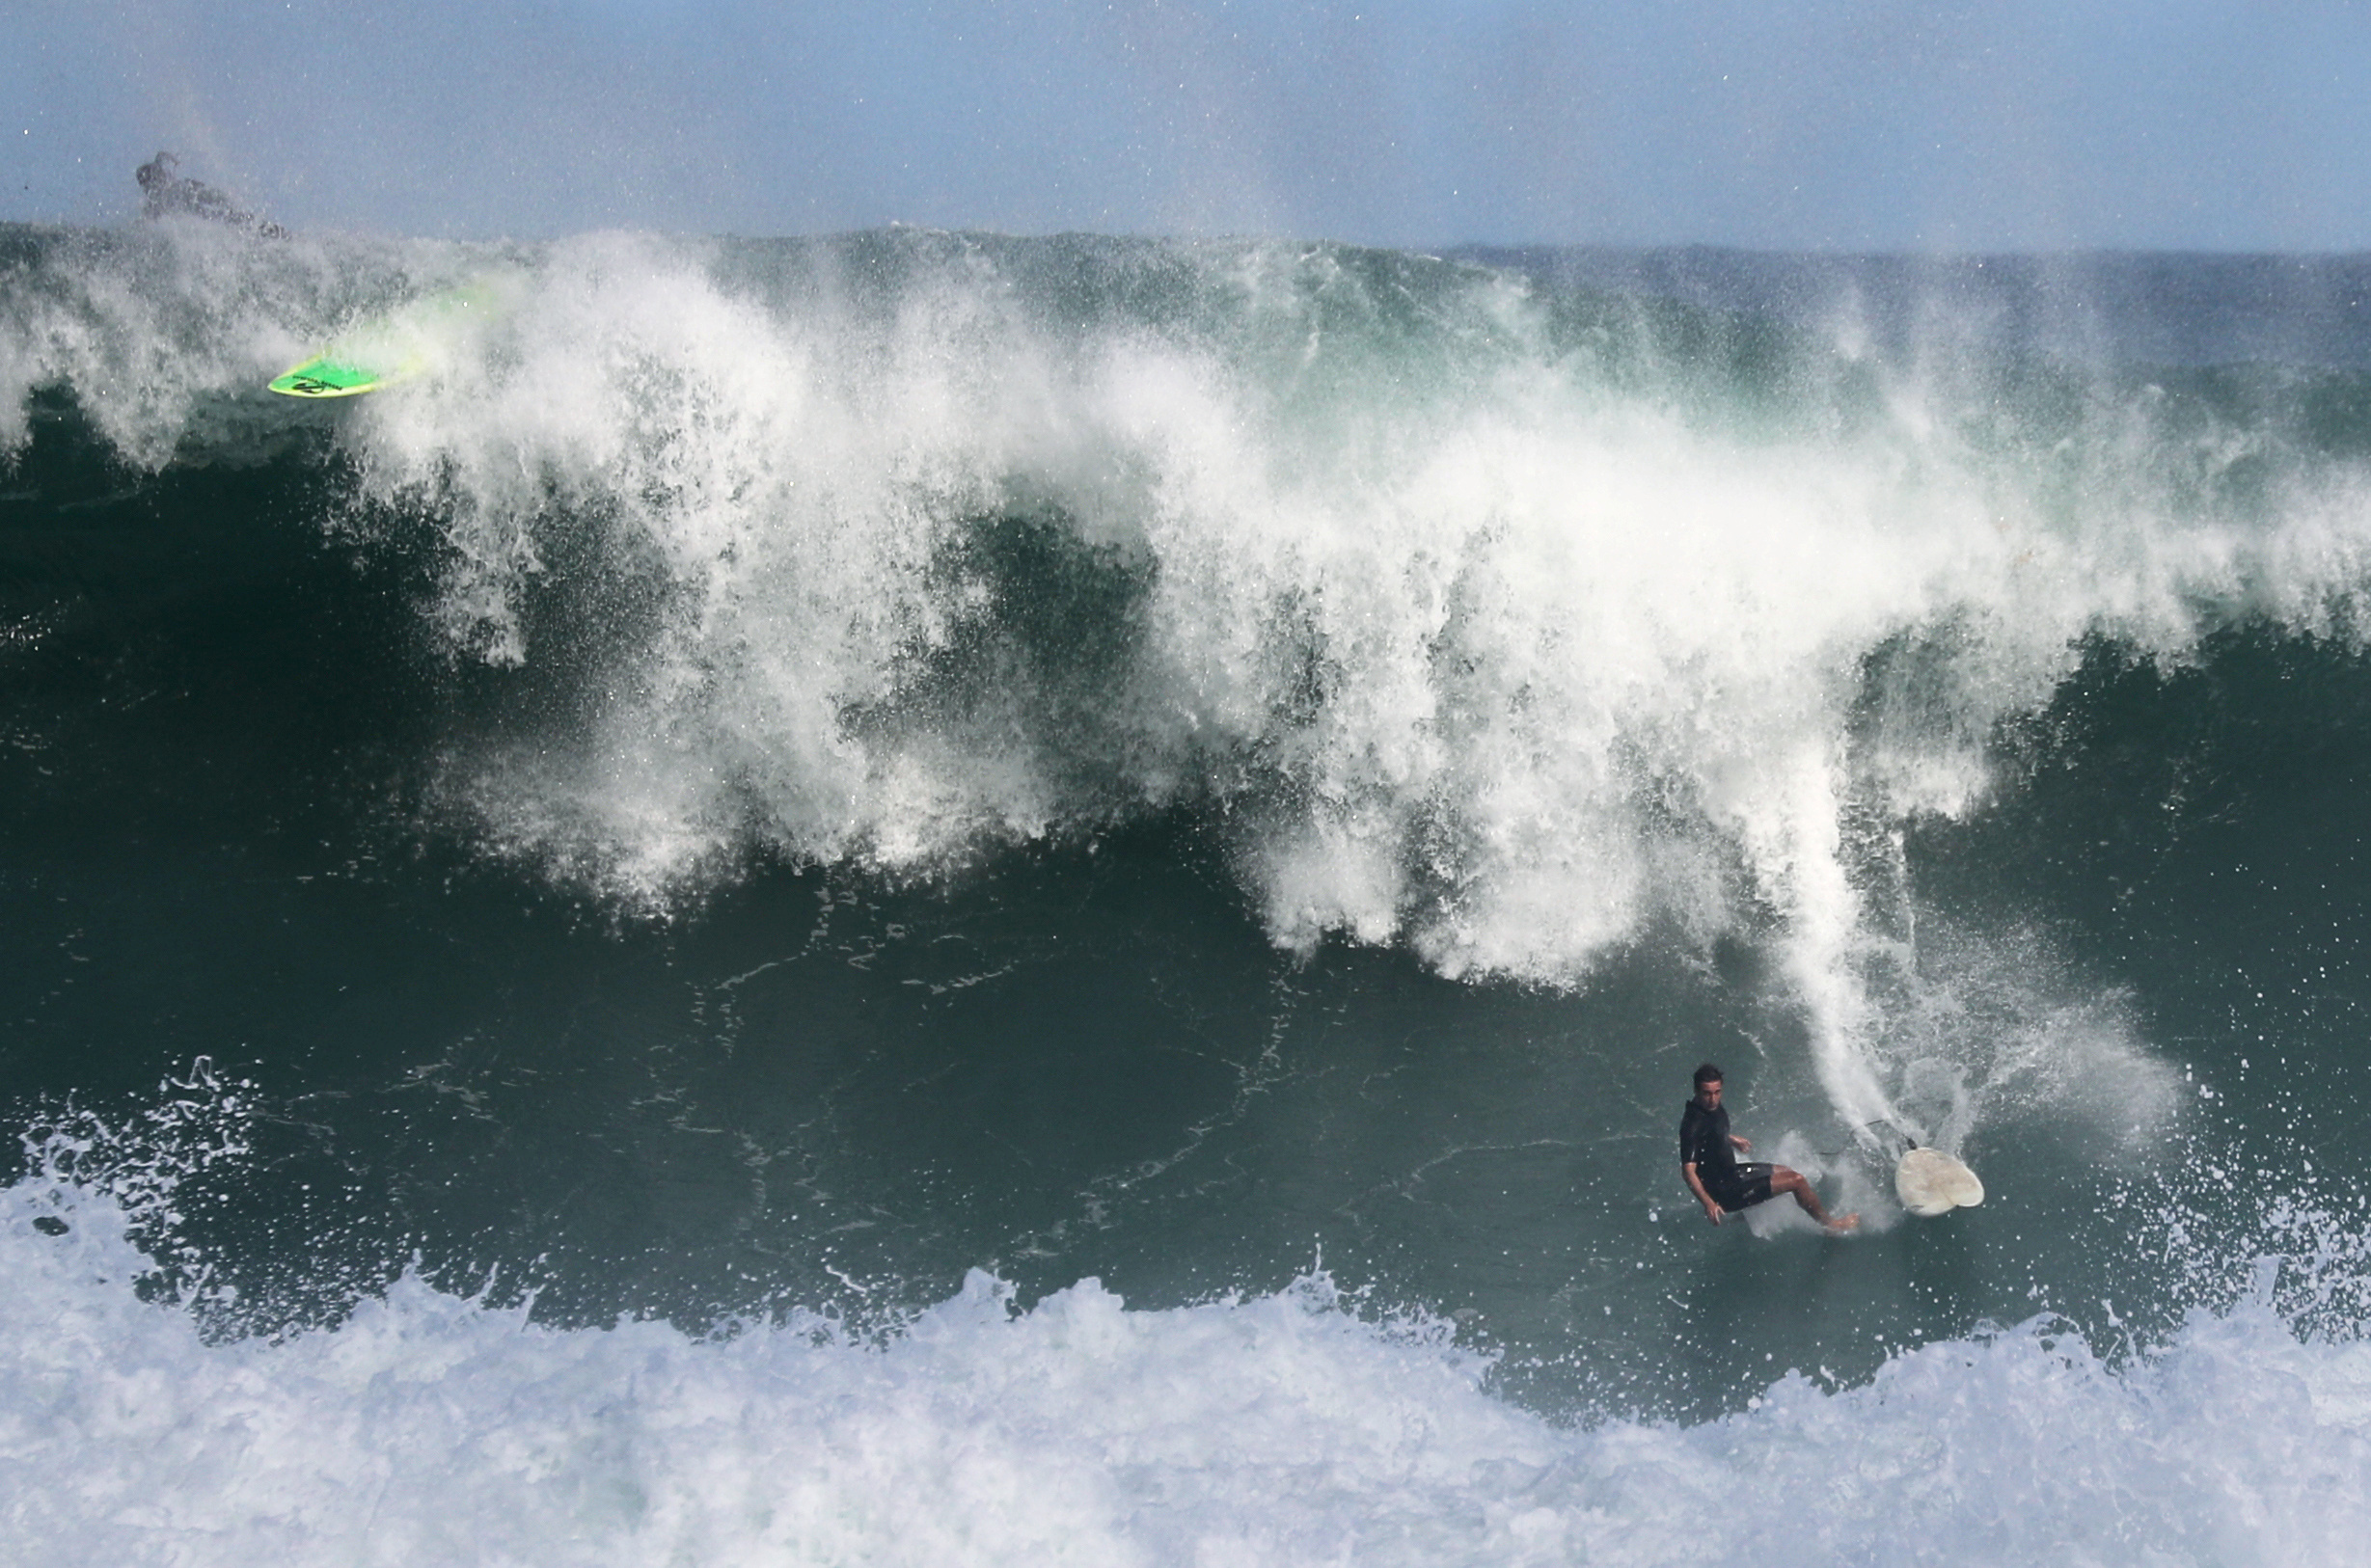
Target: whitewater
(1283, 1430)
(932, 897)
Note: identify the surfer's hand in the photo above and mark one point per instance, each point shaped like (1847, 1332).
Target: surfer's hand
(1745, 1146)
(1712, 1211)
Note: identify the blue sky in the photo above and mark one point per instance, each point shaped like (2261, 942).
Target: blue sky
(1852, 124)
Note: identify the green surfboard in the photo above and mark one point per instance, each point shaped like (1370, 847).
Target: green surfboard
(333, 375)
(394, 350)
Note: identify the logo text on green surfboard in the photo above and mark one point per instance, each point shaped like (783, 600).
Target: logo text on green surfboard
(326, 377)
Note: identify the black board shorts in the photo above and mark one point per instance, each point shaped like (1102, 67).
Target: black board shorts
(1748, 1185)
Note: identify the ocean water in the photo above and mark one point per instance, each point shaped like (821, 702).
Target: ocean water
(937, 898)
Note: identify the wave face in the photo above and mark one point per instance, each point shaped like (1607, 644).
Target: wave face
(779, 774)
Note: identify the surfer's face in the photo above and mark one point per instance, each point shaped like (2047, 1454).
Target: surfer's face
(1708, 1095)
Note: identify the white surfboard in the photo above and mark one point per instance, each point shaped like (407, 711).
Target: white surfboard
(1930, 1182)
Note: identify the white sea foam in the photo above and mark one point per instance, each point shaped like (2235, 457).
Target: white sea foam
(1517, 666)
(1483, 639)
(1285, 1429)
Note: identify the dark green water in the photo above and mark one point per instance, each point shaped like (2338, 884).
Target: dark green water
(1084, 759)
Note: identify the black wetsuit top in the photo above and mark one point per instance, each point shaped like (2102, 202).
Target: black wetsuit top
(1703, 1142)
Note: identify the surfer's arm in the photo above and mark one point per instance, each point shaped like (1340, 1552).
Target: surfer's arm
(1744, 1145)
(1713, 1210)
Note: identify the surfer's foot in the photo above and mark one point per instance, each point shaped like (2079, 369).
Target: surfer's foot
(1850, 1222)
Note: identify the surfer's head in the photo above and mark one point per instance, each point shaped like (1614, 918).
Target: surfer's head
(1709, 1084)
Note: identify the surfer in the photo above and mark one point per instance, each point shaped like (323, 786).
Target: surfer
(163, 192)
(1709, 1159)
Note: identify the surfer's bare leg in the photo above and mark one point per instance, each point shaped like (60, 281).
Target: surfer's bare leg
(1786, 1180)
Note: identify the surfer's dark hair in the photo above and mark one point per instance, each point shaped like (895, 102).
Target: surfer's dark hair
(1708, 1074)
